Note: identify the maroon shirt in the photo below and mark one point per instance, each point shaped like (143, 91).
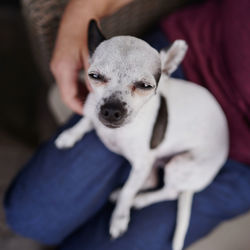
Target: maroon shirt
(218, 35)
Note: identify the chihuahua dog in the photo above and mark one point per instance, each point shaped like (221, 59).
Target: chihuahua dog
(139, 112)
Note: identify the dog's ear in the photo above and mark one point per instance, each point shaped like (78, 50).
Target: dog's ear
(95, 36)
(172, 57)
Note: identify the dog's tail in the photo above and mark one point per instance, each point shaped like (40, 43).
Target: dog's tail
(183, 218)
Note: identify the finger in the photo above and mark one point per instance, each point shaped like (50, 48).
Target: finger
(74, 104)
(67, 80)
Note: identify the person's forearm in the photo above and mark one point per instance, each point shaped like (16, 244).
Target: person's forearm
(95, 8)
(112, 6)
(104, 7)
(77, 11)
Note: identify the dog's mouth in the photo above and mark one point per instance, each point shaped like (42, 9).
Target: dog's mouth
(109, 124)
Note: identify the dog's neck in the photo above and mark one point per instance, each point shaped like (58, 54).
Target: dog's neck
(149, 110)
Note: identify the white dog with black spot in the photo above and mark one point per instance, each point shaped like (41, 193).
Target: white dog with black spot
(139, 112)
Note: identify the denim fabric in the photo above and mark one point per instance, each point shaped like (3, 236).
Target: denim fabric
(153, 226)
(59, 190)
(61, 197)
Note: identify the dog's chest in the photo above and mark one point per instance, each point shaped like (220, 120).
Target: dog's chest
(127, 140)
(115, 140)
(111, 139)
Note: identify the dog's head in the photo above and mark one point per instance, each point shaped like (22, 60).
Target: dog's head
(124, 73)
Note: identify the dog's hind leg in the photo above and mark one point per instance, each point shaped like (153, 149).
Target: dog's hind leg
(152, 197)
(70, 136)
(183, 212)
(177, 170)
(183, 218)
(184, 175)
(151, 182)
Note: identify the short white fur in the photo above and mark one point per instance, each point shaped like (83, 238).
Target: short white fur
(196, 126)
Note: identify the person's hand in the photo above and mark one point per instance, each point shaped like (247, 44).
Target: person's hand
(71, 52)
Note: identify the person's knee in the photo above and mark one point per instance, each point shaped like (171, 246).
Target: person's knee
(25, 220)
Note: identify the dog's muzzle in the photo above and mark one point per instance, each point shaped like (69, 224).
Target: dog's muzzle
(113, 114)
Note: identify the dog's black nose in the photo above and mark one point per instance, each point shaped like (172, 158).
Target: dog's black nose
(112, 114)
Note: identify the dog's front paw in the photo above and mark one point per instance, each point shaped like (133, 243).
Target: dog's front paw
(115, 195)
(139, 202)
(65, 140)
(119, 224)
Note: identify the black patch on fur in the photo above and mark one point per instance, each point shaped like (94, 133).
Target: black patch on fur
(157, 77)
(160, 125)
(95, 36)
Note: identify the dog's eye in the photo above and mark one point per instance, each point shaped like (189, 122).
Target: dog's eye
(97, 77)
(143, 85)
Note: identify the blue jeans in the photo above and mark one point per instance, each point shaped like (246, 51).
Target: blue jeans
(61, 197)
